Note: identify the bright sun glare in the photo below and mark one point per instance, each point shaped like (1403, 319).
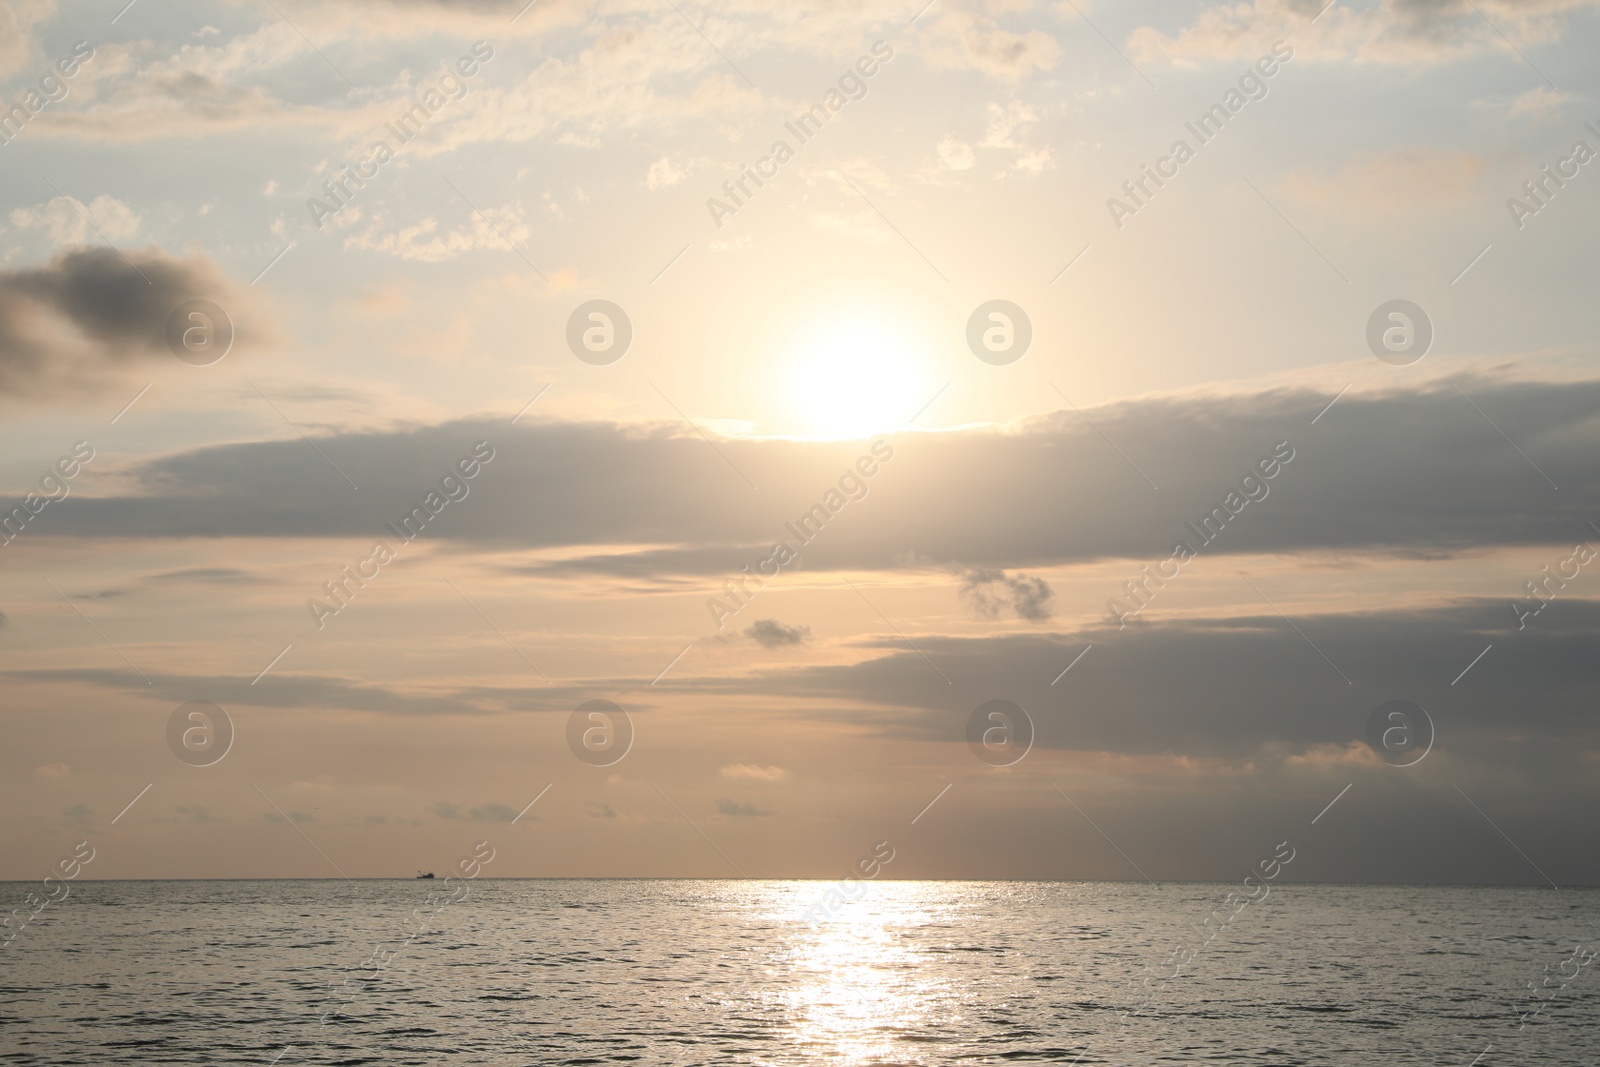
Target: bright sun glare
(855, 374)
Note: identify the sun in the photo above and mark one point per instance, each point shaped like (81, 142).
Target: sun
(855, 372)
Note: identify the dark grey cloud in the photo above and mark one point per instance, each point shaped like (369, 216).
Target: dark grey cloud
(1236, 688)
(492, 813)
(1410, 473)
(192, 813)
(282, 689)
(735, 810)
(479, 813)
(992, 592)
(770, 633)
(207, 576)
(1445, 22)
(1449, 21)
(90, 311)
(1269, 721)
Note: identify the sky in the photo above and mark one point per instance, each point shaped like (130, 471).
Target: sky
(384, 384)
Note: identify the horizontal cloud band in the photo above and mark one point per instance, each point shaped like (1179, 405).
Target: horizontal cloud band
(1406, 473)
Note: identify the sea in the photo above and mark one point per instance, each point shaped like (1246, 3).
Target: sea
(514, 972)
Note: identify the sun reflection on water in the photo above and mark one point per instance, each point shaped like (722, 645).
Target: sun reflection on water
(862, 987)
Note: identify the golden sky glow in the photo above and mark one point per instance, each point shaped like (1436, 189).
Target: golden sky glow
(777, 482)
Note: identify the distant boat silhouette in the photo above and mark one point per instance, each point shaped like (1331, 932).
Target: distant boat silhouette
(424, 874)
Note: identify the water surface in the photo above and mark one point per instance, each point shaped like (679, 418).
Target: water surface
(727, 972)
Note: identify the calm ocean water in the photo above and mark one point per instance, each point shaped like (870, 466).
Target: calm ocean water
(723, 972)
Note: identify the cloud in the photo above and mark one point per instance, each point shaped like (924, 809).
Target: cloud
(599, 811)
(66, 220)
(1006, 125)
(427, 241)
(1331, 755)
(386, 9)
(664, 174)
(19, 51)
(951, 157)
(1226, 690)
(990, 592)
(201, 814)
(769, 633)
(1540, 103)
(1392, 32)
(754, 772)
(638, 70)
(481, 813)
(51, 771)
(741, 811)
(964, 40)
(1360, 480)
(605, 73)
(207, 576)
(955, 154)
(283, 690)
(90, 313)
(194, 90)
(493, 813)
(1237, 689)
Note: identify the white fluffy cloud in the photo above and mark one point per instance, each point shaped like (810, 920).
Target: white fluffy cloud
(18, 18)
(754, 772)
(428, 241)
(962, 40)
(69, 221)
